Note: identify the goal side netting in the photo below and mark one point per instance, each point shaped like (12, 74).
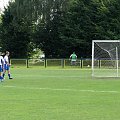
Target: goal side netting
(105, 58)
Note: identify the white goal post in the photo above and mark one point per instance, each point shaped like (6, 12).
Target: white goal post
(105, 58)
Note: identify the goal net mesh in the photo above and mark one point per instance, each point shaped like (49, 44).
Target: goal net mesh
(105, 58)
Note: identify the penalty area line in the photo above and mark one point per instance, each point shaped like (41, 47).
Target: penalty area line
(60, 89)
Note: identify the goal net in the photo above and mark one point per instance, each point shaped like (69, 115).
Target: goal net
(105, 58)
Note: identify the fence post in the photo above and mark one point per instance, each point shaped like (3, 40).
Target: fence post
(81, 63)
(27, 64)
(62, 63)
(45, 63)
(99, 63)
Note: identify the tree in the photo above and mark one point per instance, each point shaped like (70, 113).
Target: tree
(59, 27)
(44, 14)
(89, 20)
(15, 33)
(47, 31)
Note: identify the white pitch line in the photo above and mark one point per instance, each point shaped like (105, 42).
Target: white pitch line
(53, 76)
(55, 89)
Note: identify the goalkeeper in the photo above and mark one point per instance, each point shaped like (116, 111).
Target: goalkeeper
(73, 58)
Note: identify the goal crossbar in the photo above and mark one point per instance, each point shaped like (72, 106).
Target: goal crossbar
(106, 41)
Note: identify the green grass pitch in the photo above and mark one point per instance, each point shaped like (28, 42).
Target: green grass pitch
(58, 94)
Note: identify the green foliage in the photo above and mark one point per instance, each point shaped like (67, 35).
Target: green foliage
(74, 28)
(47, 30)
(58, 27)
(89, 20)
(15, 34)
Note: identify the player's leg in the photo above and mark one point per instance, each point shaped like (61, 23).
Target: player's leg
(75, 63)
(71, 63)
(1, 78)
(9, 75)
(4, 71)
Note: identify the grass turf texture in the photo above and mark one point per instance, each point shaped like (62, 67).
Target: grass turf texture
(58, 94)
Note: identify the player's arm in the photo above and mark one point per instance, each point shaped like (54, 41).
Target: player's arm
(2, 63)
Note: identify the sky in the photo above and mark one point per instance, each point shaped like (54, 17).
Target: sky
(3, 3)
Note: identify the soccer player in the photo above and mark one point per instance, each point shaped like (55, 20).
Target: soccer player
(7, 65)
(73, 58)
(1, 66)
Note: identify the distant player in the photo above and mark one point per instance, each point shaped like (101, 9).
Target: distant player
(1, 66)
(73, 58)
(7, 65)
